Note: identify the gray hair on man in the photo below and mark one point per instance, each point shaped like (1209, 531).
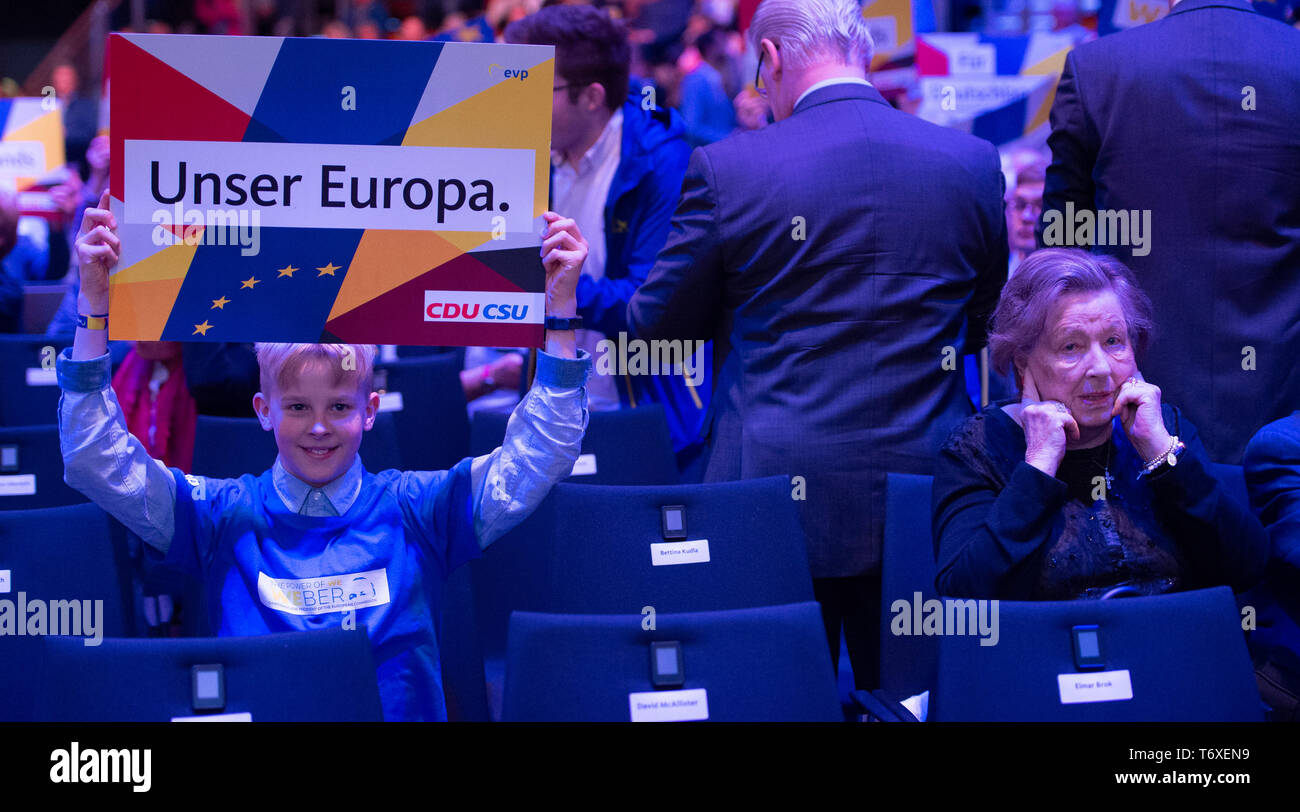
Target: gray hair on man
(811, 32)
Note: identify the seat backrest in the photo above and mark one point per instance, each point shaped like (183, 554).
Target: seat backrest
(763, 664)
(38, 480)
(745, 547)
(1183, 655)
(316, 676)
(69, 565)
(907, 662)
(620, 447)
(593, 549)
(427, 405)
(229, 447)
(30, 390)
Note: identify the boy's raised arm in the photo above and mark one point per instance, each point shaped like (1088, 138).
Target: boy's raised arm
(100, 457)
(544, 434)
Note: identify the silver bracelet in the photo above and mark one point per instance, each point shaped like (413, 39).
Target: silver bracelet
(1169, 457)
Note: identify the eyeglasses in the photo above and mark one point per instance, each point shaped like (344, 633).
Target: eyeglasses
(759, 86)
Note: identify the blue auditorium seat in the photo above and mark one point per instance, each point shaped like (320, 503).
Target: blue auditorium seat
(762, 664)
(432, 422)
(29, 393)
(588, 549)
(67, 553)
(37, 479)
(229, 447)
(1184, 655)
(315, 676)
(907, 663)
(464, 686)
(625, 446)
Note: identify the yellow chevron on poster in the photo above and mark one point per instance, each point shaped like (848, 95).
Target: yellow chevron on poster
(892, 29)
(507, 115)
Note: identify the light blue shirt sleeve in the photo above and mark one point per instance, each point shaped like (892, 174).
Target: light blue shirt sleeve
(542, 442)
(102, 460)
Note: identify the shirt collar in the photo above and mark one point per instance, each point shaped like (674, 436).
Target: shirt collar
(610, 141)
(337, 496)
(838, 80)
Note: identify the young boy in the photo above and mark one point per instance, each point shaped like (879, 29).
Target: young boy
(317, 540)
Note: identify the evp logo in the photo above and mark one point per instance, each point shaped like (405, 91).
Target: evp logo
(509, 73)
(483, 307)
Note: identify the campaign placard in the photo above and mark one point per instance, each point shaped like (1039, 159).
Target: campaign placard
(323, 190)
(31, 141)
(997, 87)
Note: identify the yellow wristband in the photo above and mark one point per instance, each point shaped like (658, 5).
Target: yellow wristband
(93, 322)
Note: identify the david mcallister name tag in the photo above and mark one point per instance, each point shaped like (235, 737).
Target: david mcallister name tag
(1102, 686)
(667, 553)
(691, 705)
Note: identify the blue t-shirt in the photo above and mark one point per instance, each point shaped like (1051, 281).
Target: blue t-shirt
(267, 569)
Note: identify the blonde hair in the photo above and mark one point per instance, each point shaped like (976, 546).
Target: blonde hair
(282, 363)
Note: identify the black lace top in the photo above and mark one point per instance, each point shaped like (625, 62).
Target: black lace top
(1004, 529)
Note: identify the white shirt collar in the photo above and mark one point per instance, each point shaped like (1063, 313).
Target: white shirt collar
(609, 142)
(336, 497)
(838, 80)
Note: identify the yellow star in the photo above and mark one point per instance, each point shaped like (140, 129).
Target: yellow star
(202, 329)
(219, 304)
(328, 270)
(287, 271)
(249, 283)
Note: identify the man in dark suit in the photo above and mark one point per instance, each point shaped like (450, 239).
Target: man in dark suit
(1272, 464)
(1193, 119)
(843, 259)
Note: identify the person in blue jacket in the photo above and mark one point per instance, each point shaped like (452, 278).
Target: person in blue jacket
(618, 160)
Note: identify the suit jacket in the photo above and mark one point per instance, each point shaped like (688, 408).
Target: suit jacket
(838, 259)
(1272, 464)
(1194, 118)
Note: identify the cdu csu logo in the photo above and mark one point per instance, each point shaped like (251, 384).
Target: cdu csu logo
(484, 307)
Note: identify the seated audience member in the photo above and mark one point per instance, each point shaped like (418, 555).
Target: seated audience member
(1272, 465)
(317, 512)
(1089, 483)
(156, 404)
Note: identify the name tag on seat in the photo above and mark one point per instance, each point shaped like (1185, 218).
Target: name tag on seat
(1100, 686)
(18, 485)
(666, 553)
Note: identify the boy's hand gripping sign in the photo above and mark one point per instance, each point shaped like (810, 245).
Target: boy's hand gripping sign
(316, 190)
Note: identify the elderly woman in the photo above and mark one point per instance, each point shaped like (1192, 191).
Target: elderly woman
(1089, 483)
